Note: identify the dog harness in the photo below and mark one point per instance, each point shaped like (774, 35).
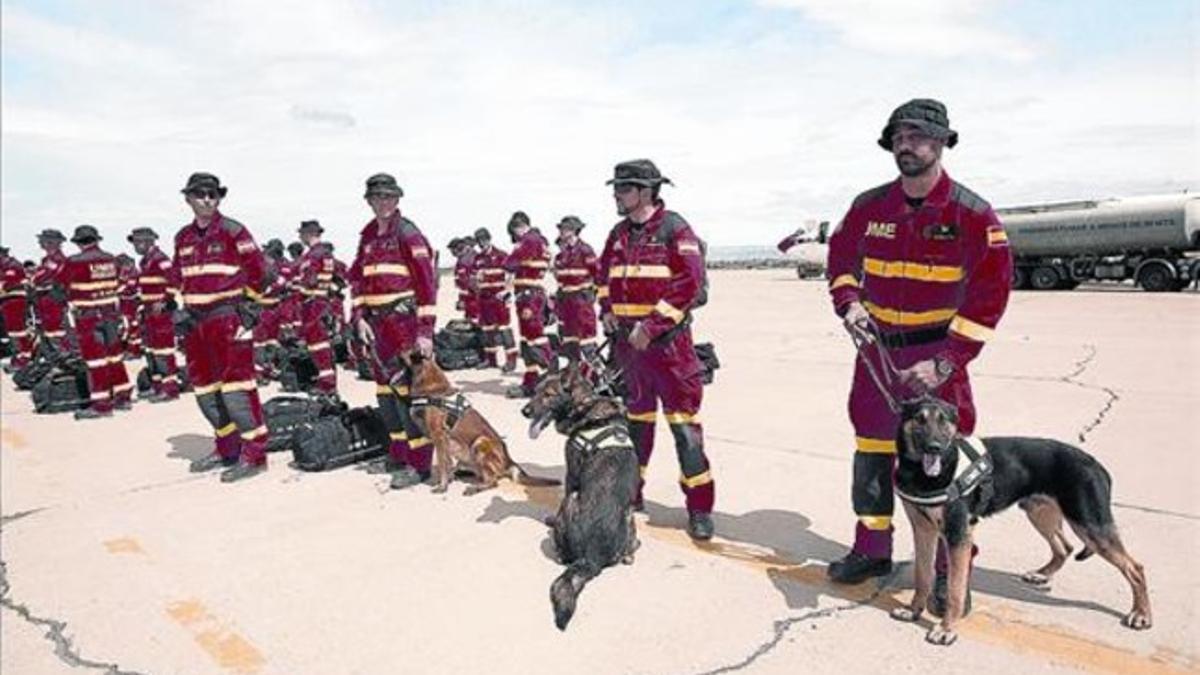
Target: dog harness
(455, 408)
(974, 472)
(595, 439)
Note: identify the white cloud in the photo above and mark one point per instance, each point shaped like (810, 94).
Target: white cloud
(940, 28)
(480, 110)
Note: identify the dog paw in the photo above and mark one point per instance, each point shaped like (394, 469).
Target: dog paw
(1035, 578)
(471, 491)
(627, 560)
(439, 489)
(550, 521)
(943, 637)
(906, 614)
(1137, 620)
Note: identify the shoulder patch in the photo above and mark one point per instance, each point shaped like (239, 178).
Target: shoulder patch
(231, 226)
(960, 194)
(873, 195)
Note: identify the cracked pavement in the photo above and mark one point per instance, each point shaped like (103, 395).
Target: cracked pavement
(113, 554)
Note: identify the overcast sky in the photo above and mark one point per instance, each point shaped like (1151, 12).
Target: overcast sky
(764, 113)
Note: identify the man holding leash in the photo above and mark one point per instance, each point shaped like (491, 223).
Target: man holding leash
(394, 283)
(650, 276)
(926, 261)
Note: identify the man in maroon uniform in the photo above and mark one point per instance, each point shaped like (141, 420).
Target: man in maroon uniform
(13, 305)
(127, 273)
(290, 308)
(156, 293)
(314, 279)
(49, 298)
(395, 293)
(463, 249)
(221, 276)
(266, 331)
(528, 263)
(337, 305)
(494, 315)
(927, 261)
(651, 274)
(92, 280)
(575, 302)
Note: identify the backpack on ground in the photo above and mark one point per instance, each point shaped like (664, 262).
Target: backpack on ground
(335, 441)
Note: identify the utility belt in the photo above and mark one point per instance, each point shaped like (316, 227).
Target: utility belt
(109, 312)
(913, 338)
(216, 310)
(403, 306)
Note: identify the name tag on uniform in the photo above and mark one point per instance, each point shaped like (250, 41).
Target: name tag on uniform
(941, 232)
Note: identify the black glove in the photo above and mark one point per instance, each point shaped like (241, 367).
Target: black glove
(248, 313)
(329, 322)
(170, 303)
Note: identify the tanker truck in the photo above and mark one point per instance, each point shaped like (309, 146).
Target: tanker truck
(1152, 240)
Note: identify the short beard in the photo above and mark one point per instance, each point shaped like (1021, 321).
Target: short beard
(623, 210)
(911, 166)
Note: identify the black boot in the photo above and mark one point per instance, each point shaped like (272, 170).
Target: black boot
(855, 568)
(700, 526)
(91, 414)
(242, 470)
(408, 477)
(209, 462)
(937, 601)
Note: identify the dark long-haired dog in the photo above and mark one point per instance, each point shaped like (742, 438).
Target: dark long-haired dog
(593, 527)
(948, 482)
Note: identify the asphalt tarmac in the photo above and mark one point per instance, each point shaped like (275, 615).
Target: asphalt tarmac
(115, 557)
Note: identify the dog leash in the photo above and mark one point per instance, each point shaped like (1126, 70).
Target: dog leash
(864, 337)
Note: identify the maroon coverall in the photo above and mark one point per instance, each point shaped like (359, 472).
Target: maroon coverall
(936, 280)
(652, 274)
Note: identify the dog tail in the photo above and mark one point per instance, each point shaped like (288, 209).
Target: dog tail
(566, 589)
(525, 478)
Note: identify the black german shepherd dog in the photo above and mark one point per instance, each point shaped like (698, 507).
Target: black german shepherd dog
(948, 482)
(593, 527)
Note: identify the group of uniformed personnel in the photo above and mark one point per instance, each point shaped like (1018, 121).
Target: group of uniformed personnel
(921, 260)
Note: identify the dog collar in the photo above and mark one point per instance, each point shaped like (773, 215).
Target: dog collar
(974, 468)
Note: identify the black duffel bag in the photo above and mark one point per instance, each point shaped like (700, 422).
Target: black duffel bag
(335, 441)
(299, 373)
(61, 391)
(459, 335)
(458, 359)
(32, 373)
(707, 353)
(286, 415)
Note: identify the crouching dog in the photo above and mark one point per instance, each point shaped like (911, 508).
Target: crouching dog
(593, 527)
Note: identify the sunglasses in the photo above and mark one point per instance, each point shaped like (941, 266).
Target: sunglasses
(205, 194)
(625, 188)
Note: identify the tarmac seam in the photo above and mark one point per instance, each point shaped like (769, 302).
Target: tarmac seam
(1080, 367)
(55, 632)
(782, 626)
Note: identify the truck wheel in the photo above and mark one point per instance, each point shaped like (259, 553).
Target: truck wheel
(1155, 279)
(1020, 278)
(1044, 278)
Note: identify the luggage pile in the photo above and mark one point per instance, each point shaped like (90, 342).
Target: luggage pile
(323, 433)
(458, 346)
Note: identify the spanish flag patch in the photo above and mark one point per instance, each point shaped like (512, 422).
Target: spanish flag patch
(997, 237)
(689, 248)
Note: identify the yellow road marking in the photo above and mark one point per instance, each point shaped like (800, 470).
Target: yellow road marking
(12, 439)
(990, 623)
(230, 650)
(124, 545)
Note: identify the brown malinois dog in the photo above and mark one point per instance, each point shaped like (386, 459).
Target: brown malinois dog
(462, 438)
